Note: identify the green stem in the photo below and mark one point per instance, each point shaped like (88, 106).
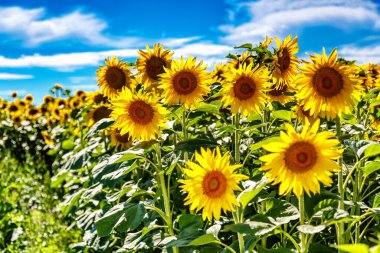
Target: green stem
(301, 203)
(184, 131)
(239, 216)
(340, 234)
(164, 192)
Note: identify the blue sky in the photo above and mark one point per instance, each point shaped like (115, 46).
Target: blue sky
(47, 42)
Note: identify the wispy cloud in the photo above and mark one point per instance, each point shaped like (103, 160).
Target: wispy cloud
(279, 17)
(72, 61)
(10, 76)
(34, 28)
(367, 54)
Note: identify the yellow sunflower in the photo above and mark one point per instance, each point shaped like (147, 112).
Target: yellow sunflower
(13, 94)
(119, 141)
(243, 58)
(114, 76)
(244, 89)
(211, 184)
(219, 72)
(328, 88)
(280, 95)
(151, 64)
(13, 108)
(29, 99)
(266, 41)
(17, 118)
(96, 97)
(302, 160)
(98, 112)
(285, 62)
(372, 76)
(185, 83)
(47, 138)
(32, 113)
(139, 115)
(303, 115)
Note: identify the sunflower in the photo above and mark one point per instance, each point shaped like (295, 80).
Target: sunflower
(244, 89)
(151, 64)
(60, 103)
(114, 76)
(372, 75)
(219, 72)
(80, 93)
(245, 57)
(186, 82)
(47, 138)
(284, 64)
(13, 108)
(303, 115)
(58, 86)
(13, 94)
(328, 88)
(98, 112)
(139, 115)
(302, 160)
(21, 103)
(75, 102)
(29, 98)
(266, 42)
(32, 113)
(96, 97)
(119, 141)
(48, 99)
(211, 183)
(280, 95)
(17, 119)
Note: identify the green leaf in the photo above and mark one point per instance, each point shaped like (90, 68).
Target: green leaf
(310, 229)
(105, 224)
(259, 144)
(193, 145)
(130, 155)
(282, 114)
(207, 107)
(98, 126)
(203, 239)
(370, 167)
(249, 193)
(134, 216)
(232, 56)
(353, 248)
(68, 145)
(372, 150)
(246, 45)
(376, 201)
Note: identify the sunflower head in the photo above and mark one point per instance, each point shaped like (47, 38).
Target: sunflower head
(284, 64)
(17, 118)
(58, 86)
(114, 76)
(139, 115)
(13, 108)
(244, 58)
(120, 141)
(47, 138)
(245, 89)
(328, 87)
(98, 112)
(219, 72)
(211, 183)
(303, 115)
(32, 113)
(29, 98)
(13, 94)
(96, 97)
(301, 160)
(185, 83)
(48, 99)
(80, 93)
(151, 64)
(266, 41)
(75, 102)
(280, 94)
(60, 102)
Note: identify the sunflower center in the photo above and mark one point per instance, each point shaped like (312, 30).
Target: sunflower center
(125, 138)
(284, 60)
(101, 113)
(244, 88)
(185, 83)
(300, 157)
(115, 78)
(328, 82)
(13, 108)
(214, 184)
(155, 66)
(99, 98)
(277, 92)
(33, 111)
(141, 112)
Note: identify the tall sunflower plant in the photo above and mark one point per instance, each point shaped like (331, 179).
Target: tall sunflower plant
(252, 156)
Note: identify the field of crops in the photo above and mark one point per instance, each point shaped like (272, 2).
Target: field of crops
(263, 153)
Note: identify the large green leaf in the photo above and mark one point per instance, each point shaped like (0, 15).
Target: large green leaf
(98, 126)
(370, 167)
(193, 145)
(133, 218)
(203, 239)
(310, 229)
(282, 114)
(107, 222)
(353, 248)
(372, 150)
(249, 193)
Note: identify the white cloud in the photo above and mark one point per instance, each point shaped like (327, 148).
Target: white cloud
(279, 17)
(9, 76)
(72, 61)
(32, 26)
(362, 55)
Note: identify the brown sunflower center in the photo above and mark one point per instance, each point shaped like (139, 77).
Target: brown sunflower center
(99, 98)
(13, 108)
(244, 88)
(29, 98)
(277, 92)
(115, 77)
(33, 111)
(185, 83)
(101, 112)
(284, 60)
(141, 112)
(328, 82)
(300, 157)
(125, 138)
(214, 184)
(155, 66)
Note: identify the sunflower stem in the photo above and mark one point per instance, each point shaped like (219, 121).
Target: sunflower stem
(164, 192)
(340, 235)
(301, 203)
(184, 131)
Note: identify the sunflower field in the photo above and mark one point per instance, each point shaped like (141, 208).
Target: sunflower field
(264, 153)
